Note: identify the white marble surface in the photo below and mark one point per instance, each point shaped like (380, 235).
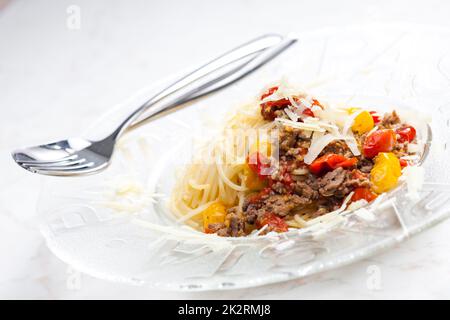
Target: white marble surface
(54, 80)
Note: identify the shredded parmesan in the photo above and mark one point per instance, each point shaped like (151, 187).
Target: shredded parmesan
(292, 115)
(357, 204)
(372, 131)
(300, 125)
(349, 121)
(317, 145)
(322, 124)
(414, 177)
(297, 107)
(352, 144)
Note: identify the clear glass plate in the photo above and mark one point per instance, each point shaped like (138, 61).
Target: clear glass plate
(115, 225)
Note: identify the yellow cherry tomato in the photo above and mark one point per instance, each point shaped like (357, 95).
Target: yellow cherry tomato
(385, 173)
(252, 181)
(215, 213)
(363, 122)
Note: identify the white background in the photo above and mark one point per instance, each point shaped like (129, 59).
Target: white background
(54, 81)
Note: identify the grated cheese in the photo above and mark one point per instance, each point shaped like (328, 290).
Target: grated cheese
(318, 143)
(414, 177)
(357, 205)
(292, 115)
(352, 144)
(349, 121)
(300, 125)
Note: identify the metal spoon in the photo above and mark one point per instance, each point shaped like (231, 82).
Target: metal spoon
(80, 156)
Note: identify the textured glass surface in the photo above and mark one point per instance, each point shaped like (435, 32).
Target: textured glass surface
(98, 223)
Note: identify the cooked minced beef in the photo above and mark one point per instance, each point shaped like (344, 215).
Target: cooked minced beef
(365, 165)
(400, 149)
(339, 183)
(293, 143)
(284, 204)
(270, 112)
(293, 188)
(219, 228)
(339, 147)
(390, 119)
(332, 183)
(307, 188)
(236, 225)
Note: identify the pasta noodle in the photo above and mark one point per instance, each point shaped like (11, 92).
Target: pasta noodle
(222, 175)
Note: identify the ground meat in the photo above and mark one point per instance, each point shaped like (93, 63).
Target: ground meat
(281, 205)
(306, 186)
(390, 119)
(279, 187)
(237, 225)
(332, 183)
(287, 140)
(281, 181)
(362, 182)
(293, 144)
(219, 228)
(270, 111)
(251, 214)
(327, 204)
(365, 165)
(400, 149)
(321, 211)
(340, 183)
(338, 147)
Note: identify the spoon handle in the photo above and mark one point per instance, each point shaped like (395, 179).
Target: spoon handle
(220, 72)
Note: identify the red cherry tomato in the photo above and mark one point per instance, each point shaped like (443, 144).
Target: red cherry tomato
(403, 163)
(375, 116)
(269, 92)
(406, 134)
(277, 104)
(379, 141)
(274, 222)
(308, 112)
(268, 108)
(317, 103)
(363, 193)
(331, 161)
